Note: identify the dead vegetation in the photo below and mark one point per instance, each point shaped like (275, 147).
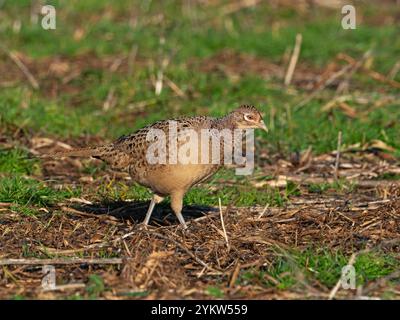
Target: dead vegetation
(57, 75)
(81, 237)
(168, 263)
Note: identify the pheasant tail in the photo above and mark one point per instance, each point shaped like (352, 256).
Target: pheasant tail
(81, 152)
(108, 153)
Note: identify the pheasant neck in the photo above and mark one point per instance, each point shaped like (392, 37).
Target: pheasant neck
(225, 122)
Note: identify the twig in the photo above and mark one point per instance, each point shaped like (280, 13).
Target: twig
(54, 251)
(337, 286)
(198, 260)
(7, 262)
(263, 212)
(69, 286)
(333, 77)
(192, 255)
(339, 144)
(293, 59)
(160, 76)
(116, 64)
(206, 216)
(223, 224)
(24, 69)
(373, 74)
(109, 102)
(381, 78)
(357, 65)
(235, 274)
(132, 58)
(392, 74)
(200, 274)
(159, 82)
(334, 101)
(81, 213)
(174, 87)
(5, 204)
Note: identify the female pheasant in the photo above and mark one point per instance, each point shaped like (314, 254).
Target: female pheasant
(171, 177)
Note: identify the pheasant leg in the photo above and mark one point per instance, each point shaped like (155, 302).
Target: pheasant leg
(155, 200)
(176, 205)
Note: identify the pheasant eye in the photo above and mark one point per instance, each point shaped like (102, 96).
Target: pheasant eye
(248, 117)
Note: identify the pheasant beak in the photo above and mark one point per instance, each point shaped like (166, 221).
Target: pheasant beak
(262, 125)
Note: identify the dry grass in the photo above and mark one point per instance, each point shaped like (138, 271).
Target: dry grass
(165, 262)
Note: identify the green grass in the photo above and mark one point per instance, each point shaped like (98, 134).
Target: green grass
(136, 294)
(189, 39)
(215, 93)
(320, 265)
(389, 176)
(46, 116)
(199, 36)
(26, 210)
(215, 292)
(241, 194)
(121, 192)
(16, 161)
(341, 185)
(95, 286)
(75, 296)
(24, 192)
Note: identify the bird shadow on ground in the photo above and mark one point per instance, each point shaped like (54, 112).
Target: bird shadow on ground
(136, 211)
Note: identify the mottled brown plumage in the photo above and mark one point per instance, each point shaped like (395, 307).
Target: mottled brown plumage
(166, 179)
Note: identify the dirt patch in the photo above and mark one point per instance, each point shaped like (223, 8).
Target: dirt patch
(62, 74)
(235, 65)
(337, 74)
